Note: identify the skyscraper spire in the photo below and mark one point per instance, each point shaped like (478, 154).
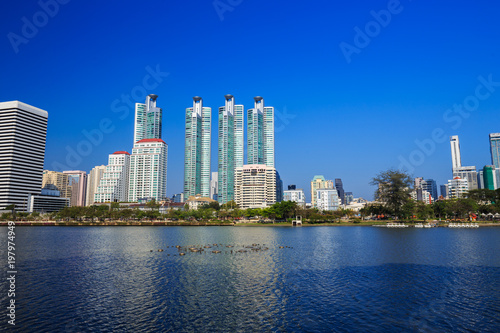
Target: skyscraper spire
(148, 119)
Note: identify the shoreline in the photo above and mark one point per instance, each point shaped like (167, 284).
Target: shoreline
(208, 224)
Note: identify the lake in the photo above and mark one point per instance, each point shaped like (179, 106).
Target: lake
(269, 279)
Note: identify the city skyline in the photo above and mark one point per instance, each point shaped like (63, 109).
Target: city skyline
(428, 74)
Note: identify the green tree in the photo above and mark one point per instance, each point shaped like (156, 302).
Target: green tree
(12, 208)
(461, 208)
(393, 190)
(441, 208)
(229, 205)
(424, 211)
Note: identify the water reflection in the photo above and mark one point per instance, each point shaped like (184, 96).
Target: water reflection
(323, 279)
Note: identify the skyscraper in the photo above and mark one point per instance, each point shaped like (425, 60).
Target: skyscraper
(197, 149)
(489, 177)
(456, 159)
(147, 120)
(495, 149)
(430, 186)
(463, 172)
(148, 170)
(340, 189)
(230, 151)
(114, 183)
(23, 129)
(260, 134)
(77, 181)
(93, 180)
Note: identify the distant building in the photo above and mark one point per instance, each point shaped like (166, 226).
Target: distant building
(327, 199)
(214, 186)
(114, 183)
(48, 201)
(430, 186)
(148, 170)
(197, 149)
(279, 187)
(295, 195)
(292, 187)
(495, 149)
(340, 189)
(77, 181)
(178, 198)
(255, 186)
(349, 197)
(319, 182)
(59, 180)
(489, 178)
(469, 173)
(444, 189)
(456, 159)
(457, 187)
(93, 180)
(23, 129)
(195, 201)
(148, 120)
(419, 194)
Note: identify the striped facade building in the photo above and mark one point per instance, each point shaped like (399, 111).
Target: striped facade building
(23, 130)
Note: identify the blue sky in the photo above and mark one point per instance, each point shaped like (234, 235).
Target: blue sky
(346, 117)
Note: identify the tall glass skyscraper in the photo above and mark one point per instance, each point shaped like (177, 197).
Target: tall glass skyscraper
(147, 120)
(230, 147)
(260, 134)
(495, 149)
(197, 149)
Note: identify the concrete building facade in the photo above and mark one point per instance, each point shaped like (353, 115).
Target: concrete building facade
(23, 130)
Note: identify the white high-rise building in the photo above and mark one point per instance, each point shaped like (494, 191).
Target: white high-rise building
(297, 196)
(456, 159)
(469, 173)
(327, 199)
(93, 180)
(197, 149)
(23, 129)
(255, 186)
(114, 183)
(148, 170)
(260, 134)
(457, 187)
(147, 120)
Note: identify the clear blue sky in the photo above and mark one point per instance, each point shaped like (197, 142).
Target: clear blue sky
(342, 119)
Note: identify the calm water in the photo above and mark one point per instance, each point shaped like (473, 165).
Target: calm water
(325, 279)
